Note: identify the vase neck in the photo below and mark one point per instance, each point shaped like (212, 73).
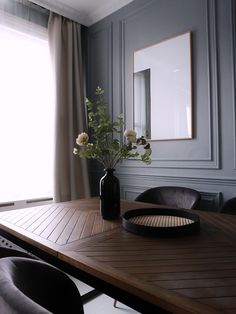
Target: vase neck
(109, 170)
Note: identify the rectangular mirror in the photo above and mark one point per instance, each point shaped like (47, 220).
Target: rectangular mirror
(162, 107)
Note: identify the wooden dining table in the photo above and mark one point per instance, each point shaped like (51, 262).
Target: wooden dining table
(189, 274)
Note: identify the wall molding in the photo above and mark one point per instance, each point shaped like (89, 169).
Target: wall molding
(178, 179)
(213, 160)
(92, 36)
(210, 201)
(213, 74)
(122, 67)
(233, 38)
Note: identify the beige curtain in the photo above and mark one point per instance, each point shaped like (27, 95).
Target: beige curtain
(70, 172)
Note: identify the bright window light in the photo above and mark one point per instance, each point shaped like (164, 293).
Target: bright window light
(26, 117)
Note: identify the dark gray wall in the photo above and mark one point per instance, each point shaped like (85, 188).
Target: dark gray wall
(208, 161)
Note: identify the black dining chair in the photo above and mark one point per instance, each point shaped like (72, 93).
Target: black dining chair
(173, 196)
(229, 207)
(31, 286)
(7, 252)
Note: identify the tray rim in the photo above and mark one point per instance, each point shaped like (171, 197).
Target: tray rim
(188, 229)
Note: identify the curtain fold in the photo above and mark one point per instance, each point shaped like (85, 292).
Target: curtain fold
(70, 172)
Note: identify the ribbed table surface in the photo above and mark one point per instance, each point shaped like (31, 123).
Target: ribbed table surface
(191, 274)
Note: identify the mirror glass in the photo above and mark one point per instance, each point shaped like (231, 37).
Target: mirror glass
(162, 107)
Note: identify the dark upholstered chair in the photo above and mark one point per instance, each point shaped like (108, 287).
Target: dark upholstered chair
(229, 206)
(31, 286)
(6, 252)
(173, 196)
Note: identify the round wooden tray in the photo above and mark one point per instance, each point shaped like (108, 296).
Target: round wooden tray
(161, 222)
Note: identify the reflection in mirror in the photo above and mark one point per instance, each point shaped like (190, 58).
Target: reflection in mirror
(162, 90)
(143, 103)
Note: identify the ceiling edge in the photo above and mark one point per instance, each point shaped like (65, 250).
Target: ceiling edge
(106, 10)
(73, 14)
(62, 9)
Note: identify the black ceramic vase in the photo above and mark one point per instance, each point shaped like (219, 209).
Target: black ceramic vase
(109, 195)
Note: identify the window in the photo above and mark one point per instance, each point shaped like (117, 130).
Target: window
(26, 116)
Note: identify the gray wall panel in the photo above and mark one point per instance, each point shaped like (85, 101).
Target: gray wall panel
(208, 161)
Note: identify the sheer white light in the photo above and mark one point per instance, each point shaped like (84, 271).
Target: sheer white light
(26, 117)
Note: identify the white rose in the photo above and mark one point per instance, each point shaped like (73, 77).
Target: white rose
(130, 135)
(82, 139)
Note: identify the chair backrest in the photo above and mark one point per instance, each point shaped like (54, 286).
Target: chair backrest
(229, 206)
(32, 286)
(173, 196)
(7, 252)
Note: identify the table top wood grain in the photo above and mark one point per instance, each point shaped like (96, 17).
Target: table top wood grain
(190, 274)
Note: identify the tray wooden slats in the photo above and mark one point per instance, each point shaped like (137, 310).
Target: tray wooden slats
(161, 222)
